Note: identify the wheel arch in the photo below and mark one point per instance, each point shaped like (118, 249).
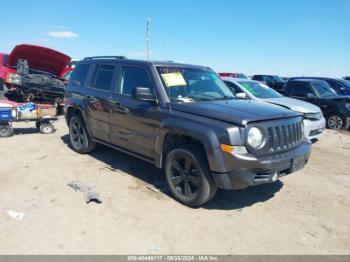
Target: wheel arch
(181, 133)
(73, 110)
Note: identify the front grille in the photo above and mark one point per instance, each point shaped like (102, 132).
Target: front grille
(281, 136)
(284, 137)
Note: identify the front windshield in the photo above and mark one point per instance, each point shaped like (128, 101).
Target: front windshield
(345, 83)
(259, 90)
(323, 89)
(278, 79)
(186, 84)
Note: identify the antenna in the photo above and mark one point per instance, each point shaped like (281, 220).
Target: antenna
(148, 36)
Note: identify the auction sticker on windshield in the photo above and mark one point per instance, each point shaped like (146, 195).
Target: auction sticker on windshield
(174, 79)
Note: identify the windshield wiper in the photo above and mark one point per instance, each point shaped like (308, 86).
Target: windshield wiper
(196, 98)
(224, 98)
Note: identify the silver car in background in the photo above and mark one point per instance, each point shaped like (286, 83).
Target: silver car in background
(314, 122)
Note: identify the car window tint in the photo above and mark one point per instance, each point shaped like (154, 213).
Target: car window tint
(258, 78)
(79, 74)
(299, 89)
(102, 77)
(234, 88)
(132, 77)
(338, 88)
(268, 79)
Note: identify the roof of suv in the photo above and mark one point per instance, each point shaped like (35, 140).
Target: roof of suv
(264, 75)
(316, 77)
(150, 62)
(306, 80)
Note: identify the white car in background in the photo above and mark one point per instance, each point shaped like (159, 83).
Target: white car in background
(314, 122)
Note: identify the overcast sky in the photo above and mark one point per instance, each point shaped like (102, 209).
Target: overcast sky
(286, 37)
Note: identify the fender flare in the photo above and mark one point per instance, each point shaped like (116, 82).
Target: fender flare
(79, 108)
(204, 135)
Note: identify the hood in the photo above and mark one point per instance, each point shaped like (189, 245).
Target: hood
(294, 104)
(41, 58)
(340, 98)
(239, 112)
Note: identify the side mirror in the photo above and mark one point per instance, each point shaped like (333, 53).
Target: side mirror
(310, 95)
(241, 96)
(143, 94)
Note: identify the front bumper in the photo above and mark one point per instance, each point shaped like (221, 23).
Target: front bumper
(314, 129)
(248, 170)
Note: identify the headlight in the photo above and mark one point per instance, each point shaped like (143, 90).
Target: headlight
(14, 79)
(255, 137)
(313, 116)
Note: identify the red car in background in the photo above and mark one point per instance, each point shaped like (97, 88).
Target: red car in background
(33, 73)
(65, 74)
(235, 75)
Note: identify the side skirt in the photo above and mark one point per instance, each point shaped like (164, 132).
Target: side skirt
(149, 160)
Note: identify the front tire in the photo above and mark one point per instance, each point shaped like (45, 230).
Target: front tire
(79, 138)
(337, 121)
(188, 176)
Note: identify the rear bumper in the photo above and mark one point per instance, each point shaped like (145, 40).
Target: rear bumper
(314, 129)
(250, 171)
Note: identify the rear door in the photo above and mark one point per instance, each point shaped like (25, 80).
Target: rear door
(134, 123)
(97, 99)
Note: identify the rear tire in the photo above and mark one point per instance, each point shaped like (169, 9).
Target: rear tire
(6, 130)
(46, 128)
(79, 138)
(188, 176)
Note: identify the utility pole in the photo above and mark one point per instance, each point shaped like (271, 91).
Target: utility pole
(148, 38)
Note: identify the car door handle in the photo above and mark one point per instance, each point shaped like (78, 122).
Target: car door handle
(118, 107)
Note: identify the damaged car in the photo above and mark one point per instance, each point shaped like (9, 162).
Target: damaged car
(183, 119)
(33, 73)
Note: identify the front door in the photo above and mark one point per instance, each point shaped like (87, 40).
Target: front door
(303, 91)
(134, 123)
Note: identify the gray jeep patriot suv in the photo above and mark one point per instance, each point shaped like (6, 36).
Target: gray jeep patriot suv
(184, 119)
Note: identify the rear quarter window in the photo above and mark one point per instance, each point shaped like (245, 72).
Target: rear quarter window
(102, 77)
(79, 74)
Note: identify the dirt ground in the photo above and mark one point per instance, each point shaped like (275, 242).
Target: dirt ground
(304, 213)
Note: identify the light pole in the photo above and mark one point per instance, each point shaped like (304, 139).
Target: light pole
(148, 37)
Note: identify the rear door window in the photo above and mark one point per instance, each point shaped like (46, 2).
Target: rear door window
(79, 74)
(102, 77)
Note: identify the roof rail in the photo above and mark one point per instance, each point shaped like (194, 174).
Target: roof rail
(105, 57)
